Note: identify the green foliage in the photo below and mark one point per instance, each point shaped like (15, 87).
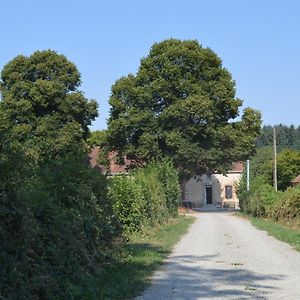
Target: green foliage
(180, 105)
(143, 197)
(168, 177)
(288, 167)
(260, 199)
(288, 208)
(42, 112)
(287, 137)
(97, 138)
(128, 202)
(156, 210)
(57, 228)
(56, 222)
(261, 161)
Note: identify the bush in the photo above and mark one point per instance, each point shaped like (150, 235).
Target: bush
(56, 228)
(128, 202)
(260, 199)
(168, 176)
(288, 208)
(147, 196)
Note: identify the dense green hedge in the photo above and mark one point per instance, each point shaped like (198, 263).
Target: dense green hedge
(56, 230)
(59, 222)
(260, 200)
(146, 196)
(263, 201)
(287, 209)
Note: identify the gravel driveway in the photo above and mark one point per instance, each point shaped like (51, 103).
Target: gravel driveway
(224, 257)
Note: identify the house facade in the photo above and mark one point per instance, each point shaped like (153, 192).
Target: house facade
(213, 190)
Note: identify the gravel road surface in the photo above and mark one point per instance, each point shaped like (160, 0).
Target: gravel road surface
(224, 257)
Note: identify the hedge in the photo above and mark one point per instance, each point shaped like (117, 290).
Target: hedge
(146, 196)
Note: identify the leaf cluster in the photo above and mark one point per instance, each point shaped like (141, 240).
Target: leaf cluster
(147, 196)
(42, 111)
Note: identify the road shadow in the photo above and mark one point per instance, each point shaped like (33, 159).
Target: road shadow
(191, 277)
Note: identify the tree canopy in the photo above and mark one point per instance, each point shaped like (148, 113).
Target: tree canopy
(288, 167)
(42, 112)
(287, 137)
(56, 220)
(181, 103)
(97, 138)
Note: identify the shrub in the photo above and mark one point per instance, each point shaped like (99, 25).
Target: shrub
(288, 208)
(260, 199)
(147, 196)
(168, 176)
(57, 229)
(128, 202)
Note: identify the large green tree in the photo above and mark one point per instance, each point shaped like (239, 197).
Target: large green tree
(43, 114)
(181, 103)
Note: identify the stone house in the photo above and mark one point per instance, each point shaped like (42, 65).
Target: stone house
(213, 190)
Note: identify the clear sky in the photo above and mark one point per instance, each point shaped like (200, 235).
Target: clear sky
(258, 41)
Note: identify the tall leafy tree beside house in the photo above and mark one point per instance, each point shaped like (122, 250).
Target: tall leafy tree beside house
(181, 104)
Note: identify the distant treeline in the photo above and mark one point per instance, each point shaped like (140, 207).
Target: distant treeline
(287, 137)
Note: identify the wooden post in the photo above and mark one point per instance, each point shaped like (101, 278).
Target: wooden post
(274, 160)
(248, 175)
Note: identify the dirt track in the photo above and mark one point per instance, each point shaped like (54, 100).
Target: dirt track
(225, 257)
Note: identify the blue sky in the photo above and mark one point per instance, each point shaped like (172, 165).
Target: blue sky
(258, 41)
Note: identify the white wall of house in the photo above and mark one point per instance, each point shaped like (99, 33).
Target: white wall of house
(197, 190)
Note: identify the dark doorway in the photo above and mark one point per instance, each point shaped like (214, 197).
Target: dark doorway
(208, 191)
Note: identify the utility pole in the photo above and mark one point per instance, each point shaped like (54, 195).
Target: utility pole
(274, 160)
(248, 175)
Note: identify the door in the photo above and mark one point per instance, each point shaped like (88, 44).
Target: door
(208, 193)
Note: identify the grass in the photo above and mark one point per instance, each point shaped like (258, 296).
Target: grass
(144, 254)
(279, 231)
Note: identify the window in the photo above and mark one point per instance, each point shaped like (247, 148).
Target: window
(228, 191)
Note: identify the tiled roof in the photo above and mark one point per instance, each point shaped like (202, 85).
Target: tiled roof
(114, 168)
(296, 179)
(236, 167)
